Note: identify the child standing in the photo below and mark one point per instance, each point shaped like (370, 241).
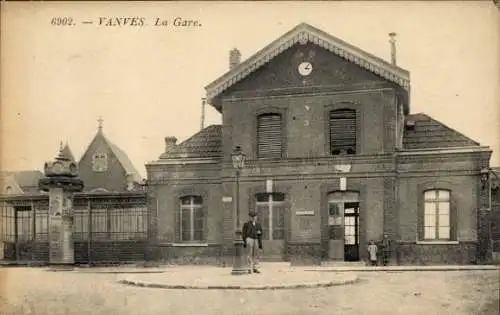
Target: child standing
(372, 251)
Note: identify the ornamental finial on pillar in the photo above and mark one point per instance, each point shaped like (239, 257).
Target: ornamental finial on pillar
(61, 172)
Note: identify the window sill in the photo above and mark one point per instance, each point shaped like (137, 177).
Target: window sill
(437, 242)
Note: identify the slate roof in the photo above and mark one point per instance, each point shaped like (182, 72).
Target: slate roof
(124, 161)
(27, 181)
(429, 133)
(206, 143)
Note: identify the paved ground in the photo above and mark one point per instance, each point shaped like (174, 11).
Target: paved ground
(38, 292)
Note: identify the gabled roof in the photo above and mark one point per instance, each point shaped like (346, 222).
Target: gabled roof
(429, 133)
(21, 181)
(121, 156)
(304, 33)
(8, 184)
(206, 143)
(27, 178)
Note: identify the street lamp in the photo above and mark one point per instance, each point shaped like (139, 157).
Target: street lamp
(238, 158)
(485, 176)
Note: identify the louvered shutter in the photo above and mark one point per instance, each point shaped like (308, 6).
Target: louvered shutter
(343, 131)
(269, 136)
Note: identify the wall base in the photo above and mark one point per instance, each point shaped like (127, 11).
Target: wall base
(463, 253)
(304, 253)
(189, 255)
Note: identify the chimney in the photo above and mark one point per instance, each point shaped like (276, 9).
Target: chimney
(234, 58)
(203, 102)
(392, 40)
(170, 143)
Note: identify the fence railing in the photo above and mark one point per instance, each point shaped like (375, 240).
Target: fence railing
(119, 217)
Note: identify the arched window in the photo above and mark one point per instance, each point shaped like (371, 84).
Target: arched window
(191, 215)
(342, 131)
(271, 214)
(269, 135)
(437, 215)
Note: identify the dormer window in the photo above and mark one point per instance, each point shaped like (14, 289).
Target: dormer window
(342, 131)
(269, 135)
(100, 162)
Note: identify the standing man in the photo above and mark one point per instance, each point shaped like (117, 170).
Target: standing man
(252, 240)
(386, 250)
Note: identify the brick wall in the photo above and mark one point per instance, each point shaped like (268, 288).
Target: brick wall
(463, 204)
(193, 255)
(388, 191)
(413, 254)
(306, 130)
(100, 251)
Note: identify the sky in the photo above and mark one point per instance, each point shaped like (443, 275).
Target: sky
(147, 82)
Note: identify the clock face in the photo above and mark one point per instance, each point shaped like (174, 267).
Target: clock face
(305, 68)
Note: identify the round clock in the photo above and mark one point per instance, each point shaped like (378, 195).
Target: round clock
(305, 68)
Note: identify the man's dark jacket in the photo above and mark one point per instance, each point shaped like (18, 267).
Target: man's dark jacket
(252, 231)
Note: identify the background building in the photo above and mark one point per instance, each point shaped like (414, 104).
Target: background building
(111, 219)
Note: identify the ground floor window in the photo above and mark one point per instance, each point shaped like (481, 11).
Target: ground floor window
(191, 219)
(437, 215)
(271, 214)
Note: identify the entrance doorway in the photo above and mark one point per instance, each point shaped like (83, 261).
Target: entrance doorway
(343, 226)
(271, 213)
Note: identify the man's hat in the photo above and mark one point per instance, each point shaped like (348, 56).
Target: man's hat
(252, 214)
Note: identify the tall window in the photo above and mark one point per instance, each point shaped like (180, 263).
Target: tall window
(437, 215)
(191, 219)
(271, 214)
(343, 131)
(269, 136)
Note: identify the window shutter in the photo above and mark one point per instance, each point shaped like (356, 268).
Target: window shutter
(343, 131)
(269, 137)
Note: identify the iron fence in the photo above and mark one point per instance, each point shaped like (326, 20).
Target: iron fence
(105, 227)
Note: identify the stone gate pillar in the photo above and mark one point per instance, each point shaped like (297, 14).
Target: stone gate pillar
(61, 181)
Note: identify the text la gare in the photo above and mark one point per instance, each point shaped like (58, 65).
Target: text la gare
(177, 22)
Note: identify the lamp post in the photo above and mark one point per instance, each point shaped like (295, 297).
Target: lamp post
(238, 158)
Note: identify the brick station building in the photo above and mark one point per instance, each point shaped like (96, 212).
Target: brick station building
(335, 158)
